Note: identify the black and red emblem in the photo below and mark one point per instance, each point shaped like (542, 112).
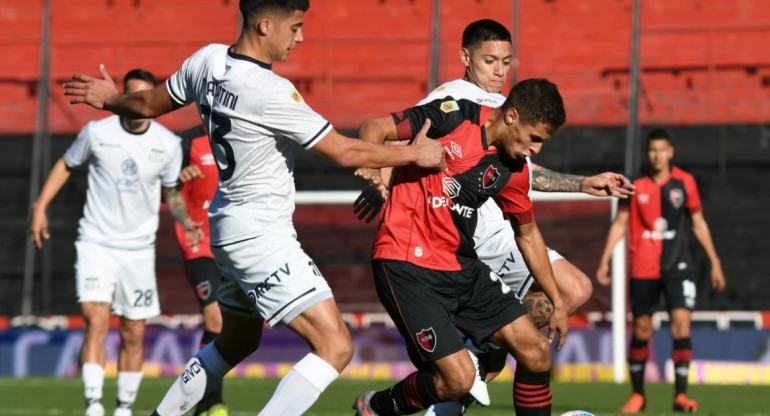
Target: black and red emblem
(676, 196)
(427, 339)
(203, 289)
(491, 175)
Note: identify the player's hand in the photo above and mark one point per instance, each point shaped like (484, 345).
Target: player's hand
(558, 323)
(369, 203)
(374, 177)
(193, 231)
(189, 173)
(90, 90)
(38, 227)
(609, 184)
(717, 277)
(603, 274)
(430, 153)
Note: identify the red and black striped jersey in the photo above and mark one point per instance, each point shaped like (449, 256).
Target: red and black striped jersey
(429, 217)
(198, 192)
(657, 237)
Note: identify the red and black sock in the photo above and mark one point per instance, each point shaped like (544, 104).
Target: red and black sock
(214, 387)
(682, 355)
(637, 361)
(532, 393)
(410, 395)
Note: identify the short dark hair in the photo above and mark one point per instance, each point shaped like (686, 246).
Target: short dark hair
(140, 74)
(537, 100)
(482, 31)
(658, 134)
(251, 8)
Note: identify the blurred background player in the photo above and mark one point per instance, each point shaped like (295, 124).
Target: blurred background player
(200, 178)
(486, 53)
(129, 162)
(660, 261)
(252, 116)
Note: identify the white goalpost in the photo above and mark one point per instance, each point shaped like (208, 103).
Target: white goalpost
(618, 265)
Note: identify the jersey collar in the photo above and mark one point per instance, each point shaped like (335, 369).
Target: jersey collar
(238, 56)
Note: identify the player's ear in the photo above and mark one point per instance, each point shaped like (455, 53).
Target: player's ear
(510, 116)
(465, 57)
(263, 26)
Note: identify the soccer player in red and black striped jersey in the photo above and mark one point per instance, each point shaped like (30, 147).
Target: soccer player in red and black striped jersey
(658, 252)
(200, 178)
(427, 274)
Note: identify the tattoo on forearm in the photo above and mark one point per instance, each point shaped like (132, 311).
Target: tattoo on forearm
(546, 180)
(540, 308)
(176, 204)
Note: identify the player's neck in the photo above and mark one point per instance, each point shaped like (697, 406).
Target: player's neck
(660, 175)
(135, 126)
(252, 47)
(493, 127)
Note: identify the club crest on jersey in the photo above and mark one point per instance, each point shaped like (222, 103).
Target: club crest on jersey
(676, 196)
(203, 289)
(296, 96)
(491, 175)
(450, 187)
(427, 339)
(449, 106)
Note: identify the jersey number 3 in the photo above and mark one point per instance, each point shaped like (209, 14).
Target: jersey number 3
(219, 127)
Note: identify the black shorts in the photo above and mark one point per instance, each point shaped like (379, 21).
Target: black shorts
(429, 306)
(204, 276)
(678, 287)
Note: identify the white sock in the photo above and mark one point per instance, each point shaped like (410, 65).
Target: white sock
(445, 409)
(128, 386)
(190, 387)
(93, 381)
(301, 387)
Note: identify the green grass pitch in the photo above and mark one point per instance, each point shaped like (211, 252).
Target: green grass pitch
(64, 397)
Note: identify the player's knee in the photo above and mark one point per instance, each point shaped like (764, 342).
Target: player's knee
(642, 329)
(96, 325)
(337, 350)
(578, 292)
(680, 330)
(538, 357)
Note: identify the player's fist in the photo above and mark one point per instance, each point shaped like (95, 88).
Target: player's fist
(189, 173)
(603, 274)
(430, 153)
(90, 90)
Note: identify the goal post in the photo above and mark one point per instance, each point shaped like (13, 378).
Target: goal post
(618, 265)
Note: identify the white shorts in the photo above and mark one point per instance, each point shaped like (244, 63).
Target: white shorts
(123, 278)
(504, 258)
(269, 277)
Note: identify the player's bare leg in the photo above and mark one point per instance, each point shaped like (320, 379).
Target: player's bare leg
(531, 387)
(574, 287)
(322, 327)
(96, 324)
(240, 337)
(129, 363)
(682, 355)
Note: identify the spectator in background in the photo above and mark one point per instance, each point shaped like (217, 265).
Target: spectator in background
(658, 253)
(129, 162)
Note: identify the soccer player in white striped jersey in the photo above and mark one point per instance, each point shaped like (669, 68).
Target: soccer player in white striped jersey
(252, 116)
(486, 55)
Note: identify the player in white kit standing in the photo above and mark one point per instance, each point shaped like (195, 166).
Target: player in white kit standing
(129, 161)
(252, 116)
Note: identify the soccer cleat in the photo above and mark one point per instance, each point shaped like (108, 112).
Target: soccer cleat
(218, 409)
(479, 390)
(683, 404)
(361, 405)
(635, 404)
(95, 409)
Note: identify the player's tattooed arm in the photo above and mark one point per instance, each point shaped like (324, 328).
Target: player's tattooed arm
(546, 180)
(178, 209)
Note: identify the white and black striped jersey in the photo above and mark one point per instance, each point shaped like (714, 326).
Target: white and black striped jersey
(252, 115)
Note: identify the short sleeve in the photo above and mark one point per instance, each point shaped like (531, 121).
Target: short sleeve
(80, 150)
(693, 203)
(514, 198)
(289, 116)
(445, 114)
(181, 85)
(170, 173)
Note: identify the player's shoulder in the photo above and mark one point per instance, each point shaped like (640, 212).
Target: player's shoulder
(210, 50)
(163, 134)
(679, 173)
(107, 126)
(462, 89)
